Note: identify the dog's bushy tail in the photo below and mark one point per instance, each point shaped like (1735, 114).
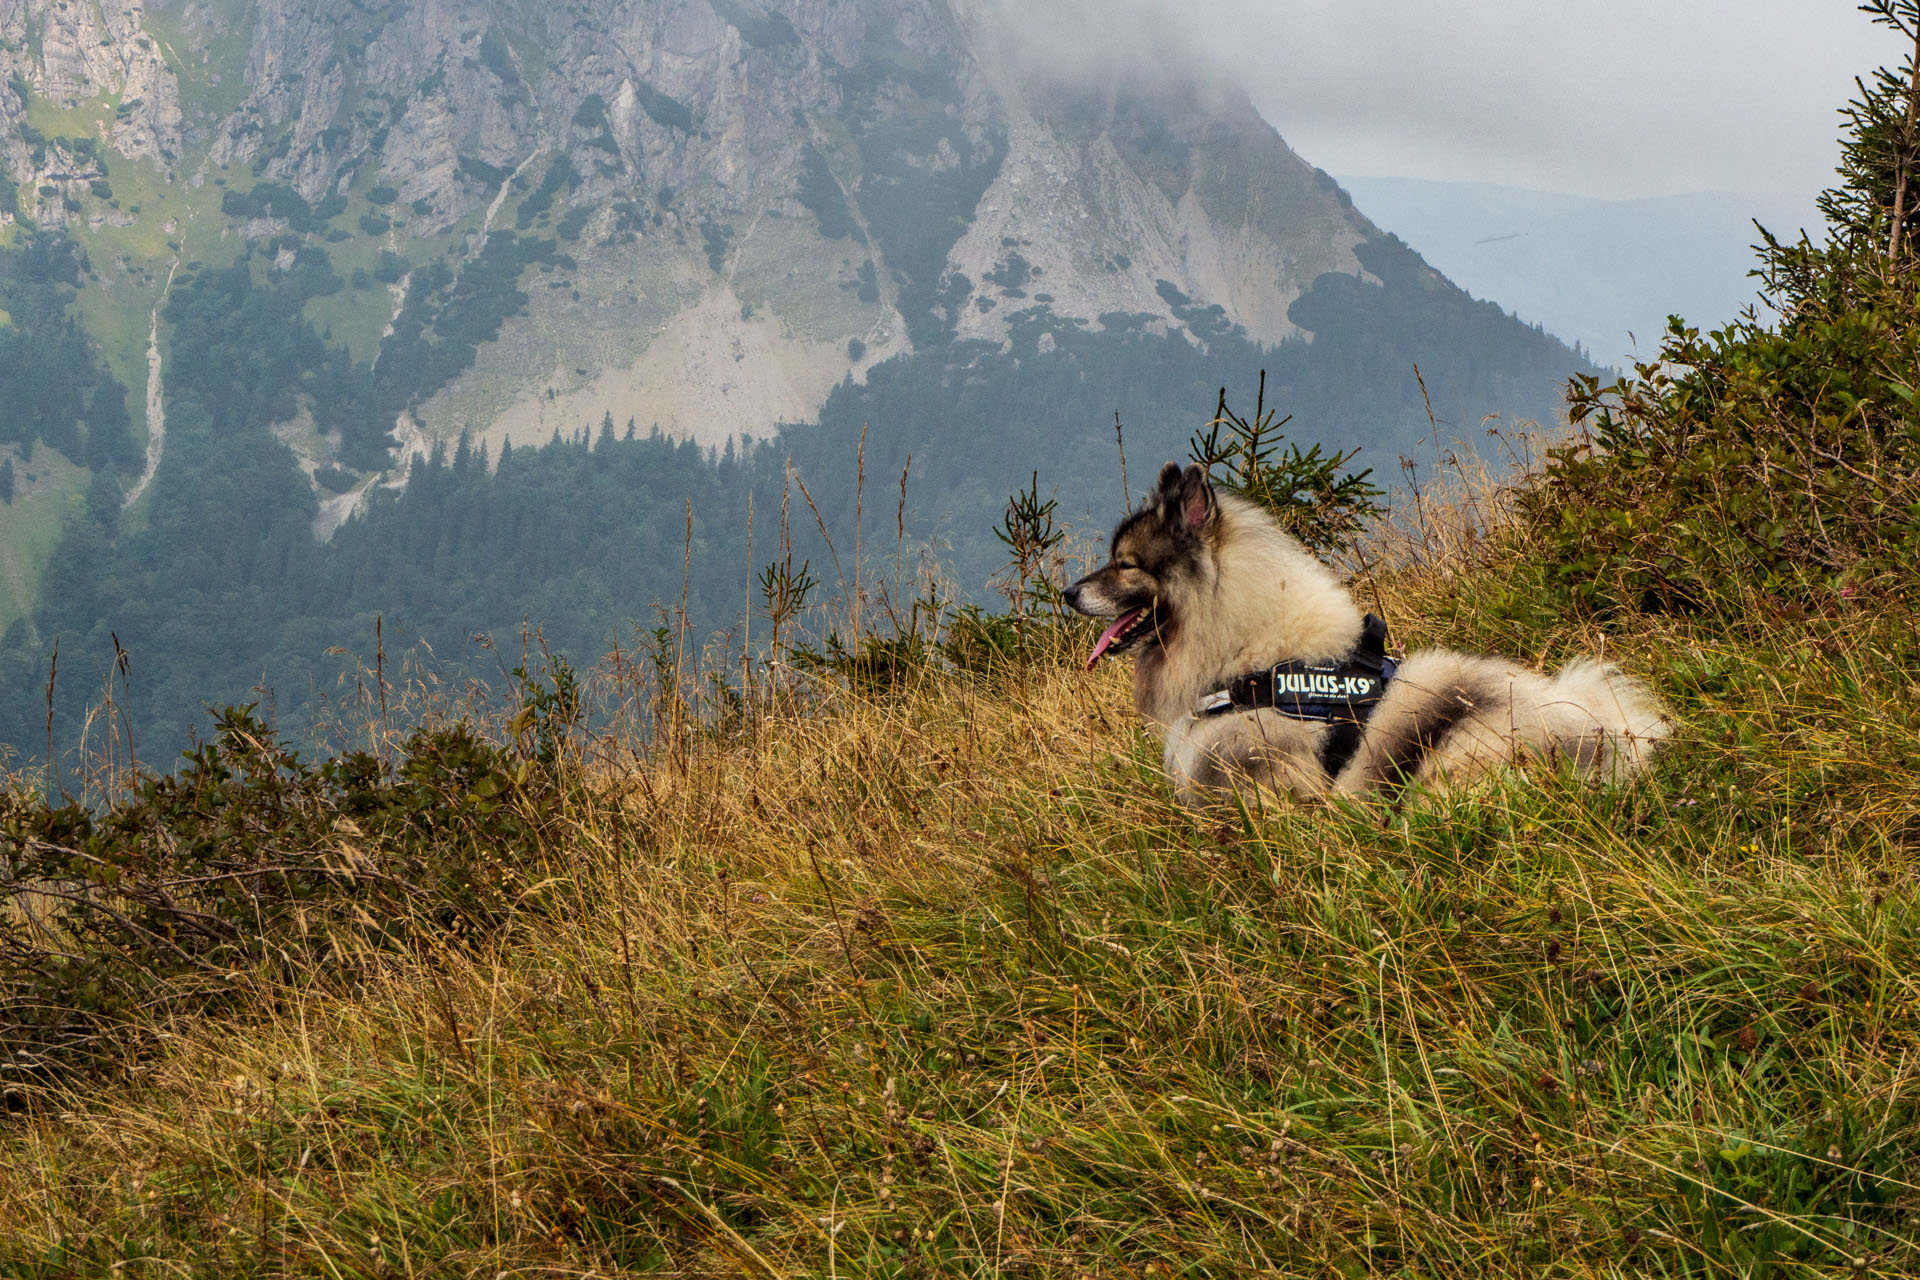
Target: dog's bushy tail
(1604, 720)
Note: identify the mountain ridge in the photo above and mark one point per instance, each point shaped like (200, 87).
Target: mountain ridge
(366, 246)
(1602, 273)
(415, 124)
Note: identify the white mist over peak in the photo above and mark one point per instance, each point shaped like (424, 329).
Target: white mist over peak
(1633, 99)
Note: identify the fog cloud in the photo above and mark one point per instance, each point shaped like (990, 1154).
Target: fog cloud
(1091, 44)
(1631, 98)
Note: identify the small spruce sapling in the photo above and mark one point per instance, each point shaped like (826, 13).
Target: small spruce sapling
(1032, 540)
(1307, 491)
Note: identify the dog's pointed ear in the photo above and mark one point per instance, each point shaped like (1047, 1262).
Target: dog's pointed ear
(1169, 486)
(1194, 499)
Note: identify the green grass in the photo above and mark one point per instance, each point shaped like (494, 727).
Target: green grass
(355, 317)
(117, 317)
(82, 120)
(210, 62)
(31, 524)
(195, 211)
(943, 983)
(531, 52)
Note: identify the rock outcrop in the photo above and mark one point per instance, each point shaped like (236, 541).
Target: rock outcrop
(758, 198)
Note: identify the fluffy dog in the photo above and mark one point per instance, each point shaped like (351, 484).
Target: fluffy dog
(1257, 666)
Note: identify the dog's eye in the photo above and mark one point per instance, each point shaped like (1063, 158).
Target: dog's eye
(1125, 564)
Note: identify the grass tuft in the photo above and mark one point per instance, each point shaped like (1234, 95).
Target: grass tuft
(940, 981)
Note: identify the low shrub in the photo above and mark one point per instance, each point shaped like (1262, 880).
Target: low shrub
(246, 867)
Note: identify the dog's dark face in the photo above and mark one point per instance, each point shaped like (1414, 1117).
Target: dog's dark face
(1154, 552)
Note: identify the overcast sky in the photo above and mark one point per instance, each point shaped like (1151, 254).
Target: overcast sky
(1618, 98)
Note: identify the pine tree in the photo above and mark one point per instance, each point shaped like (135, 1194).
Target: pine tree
(1873, 214)
(6, 482)
(1881, 150)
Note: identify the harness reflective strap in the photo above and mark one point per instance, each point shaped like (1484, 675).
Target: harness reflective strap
(1216, 703)
(1343, 695)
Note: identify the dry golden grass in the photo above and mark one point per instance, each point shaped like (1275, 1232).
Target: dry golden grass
(941, 982)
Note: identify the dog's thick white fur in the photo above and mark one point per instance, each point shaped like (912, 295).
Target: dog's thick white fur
(1209, 588)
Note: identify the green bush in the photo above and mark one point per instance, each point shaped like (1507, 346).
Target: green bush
(247, 867)
(1785, 460)
(335, 479)
(575, 221)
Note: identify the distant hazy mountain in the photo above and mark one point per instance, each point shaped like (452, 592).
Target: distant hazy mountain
(1603, 273)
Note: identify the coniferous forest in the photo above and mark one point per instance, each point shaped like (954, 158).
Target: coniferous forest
(216, 589)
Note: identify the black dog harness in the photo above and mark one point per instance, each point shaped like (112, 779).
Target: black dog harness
(1343, 694)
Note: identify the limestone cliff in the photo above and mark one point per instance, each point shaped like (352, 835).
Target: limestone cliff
(753, 199)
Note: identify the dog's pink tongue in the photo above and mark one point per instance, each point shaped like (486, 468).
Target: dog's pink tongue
(1108, 636)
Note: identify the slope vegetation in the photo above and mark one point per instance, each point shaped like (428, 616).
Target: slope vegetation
(882, 950)
(936, 979)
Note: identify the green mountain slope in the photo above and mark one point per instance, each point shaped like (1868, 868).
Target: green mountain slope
(325, 240)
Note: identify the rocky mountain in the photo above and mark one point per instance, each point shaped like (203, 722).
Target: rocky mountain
(281, 279)
(754, 201)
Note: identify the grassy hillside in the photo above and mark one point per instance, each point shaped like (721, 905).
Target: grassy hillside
(45, 492)
(895, 957)
(940, 981)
